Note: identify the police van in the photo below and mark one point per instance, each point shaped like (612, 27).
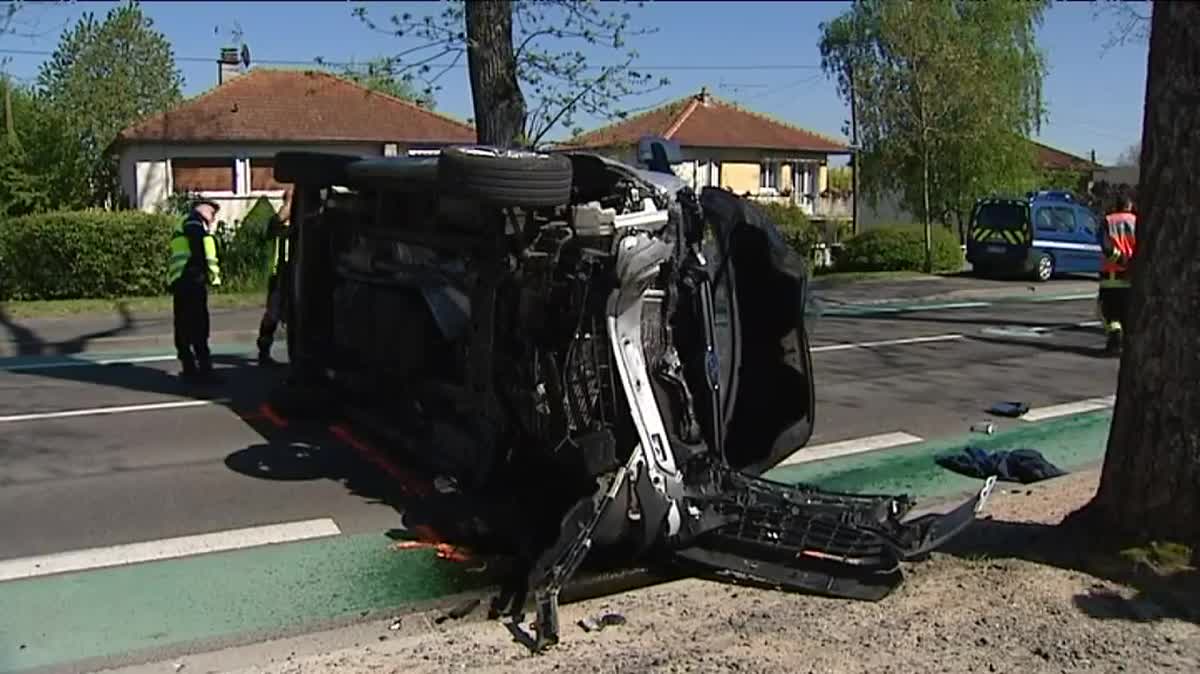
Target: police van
(1044, 234)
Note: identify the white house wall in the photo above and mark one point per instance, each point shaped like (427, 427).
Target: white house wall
(145, 171)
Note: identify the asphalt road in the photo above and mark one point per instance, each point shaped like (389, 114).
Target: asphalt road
(102, 478)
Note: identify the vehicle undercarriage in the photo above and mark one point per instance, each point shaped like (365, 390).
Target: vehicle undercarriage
(623, 357)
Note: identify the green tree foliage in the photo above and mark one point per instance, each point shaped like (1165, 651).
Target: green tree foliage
(386, 77)
(947, 92)
(104, 76)
(841, 180)
(546, 60)
(41, 165)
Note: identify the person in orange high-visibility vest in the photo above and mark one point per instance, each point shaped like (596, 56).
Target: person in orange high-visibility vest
(1118, 245)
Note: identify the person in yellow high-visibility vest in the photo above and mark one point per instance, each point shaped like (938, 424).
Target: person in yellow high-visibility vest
(278, 230)
(193, 267)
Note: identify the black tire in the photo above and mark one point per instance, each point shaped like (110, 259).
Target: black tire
(1044, 269)
(504, 178)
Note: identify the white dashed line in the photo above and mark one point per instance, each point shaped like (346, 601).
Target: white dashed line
(833, 450)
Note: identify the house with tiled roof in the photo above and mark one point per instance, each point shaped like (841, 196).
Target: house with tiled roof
(222, 143)
(723, 144)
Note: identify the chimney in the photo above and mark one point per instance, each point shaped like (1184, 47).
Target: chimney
(703, 97)
(229, 65)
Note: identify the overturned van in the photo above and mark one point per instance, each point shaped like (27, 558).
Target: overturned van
(634, 352)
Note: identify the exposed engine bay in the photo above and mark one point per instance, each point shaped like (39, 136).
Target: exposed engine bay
(631, 353)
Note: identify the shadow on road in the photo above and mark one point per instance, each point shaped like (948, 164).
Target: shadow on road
(1159, 594)
(29, 343)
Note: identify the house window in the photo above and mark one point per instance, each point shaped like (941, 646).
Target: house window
(262, 175)
(204, 174)
(768, 175)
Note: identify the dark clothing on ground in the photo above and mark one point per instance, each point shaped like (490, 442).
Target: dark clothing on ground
(1018, 465)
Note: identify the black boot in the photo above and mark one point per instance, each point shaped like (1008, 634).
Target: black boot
(206, 374)
(1113, 348)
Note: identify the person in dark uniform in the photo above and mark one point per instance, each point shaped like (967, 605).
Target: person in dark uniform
(277, 229)
(194, 267)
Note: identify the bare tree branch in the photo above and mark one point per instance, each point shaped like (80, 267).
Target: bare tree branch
(549, 37)
(1131, 19)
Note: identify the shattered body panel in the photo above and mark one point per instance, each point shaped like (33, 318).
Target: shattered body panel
(594, 352)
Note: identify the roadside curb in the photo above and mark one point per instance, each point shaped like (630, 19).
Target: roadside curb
(937, 303)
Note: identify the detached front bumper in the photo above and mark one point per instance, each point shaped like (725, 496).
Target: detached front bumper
(802, 539)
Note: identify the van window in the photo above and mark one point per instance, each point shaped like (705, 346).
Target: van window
(1056, 219)
(1001, 216)
(1089, 222)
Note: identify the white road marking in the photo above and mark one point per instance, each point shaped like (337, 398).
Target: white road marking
(167, 548)
(122, 409)
(1064, 298)
(888, 342)
(1066, 409)
(83, 362)
(848, 447)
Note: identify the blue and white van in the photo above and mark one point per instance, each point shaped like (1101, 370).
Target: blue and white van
(1044, 234)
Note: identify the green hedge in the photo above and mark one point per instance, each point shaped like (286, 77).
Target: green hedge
(900, 248)
(800, 232)
(246, 250)
(83, 254)
(98, 254)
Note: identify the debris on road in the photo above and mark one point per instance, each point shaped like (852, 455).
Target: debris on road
(1009, 409)
(983, 427)
(395, 625)
(1018, 465)
(597, 624)
(445, 485)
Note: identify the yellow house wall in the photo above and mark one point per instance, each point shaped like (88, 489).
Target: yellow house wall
(739, 177)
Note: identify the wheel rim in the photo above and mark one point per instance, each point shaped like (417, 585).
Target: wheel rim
(1045, 268)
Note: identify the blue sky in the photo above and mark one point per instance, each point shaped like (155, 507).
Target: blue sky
(721, 43)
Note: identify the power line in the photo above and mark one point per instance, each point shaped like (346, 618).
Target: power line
(324, 62)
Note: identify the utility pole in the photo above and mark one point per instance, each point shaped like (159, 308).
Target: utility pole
(854, 155)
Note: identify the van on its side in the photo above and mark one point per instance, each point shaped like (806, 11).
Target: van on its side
(1044, 234)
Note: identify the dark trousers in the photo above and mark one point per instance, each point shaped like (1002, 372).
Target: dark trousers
(1114, 308)
(191, 327)
(270, 319)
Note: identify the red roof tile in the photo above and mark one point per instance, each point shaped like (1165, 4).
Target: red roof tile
(705, 121)
(296, 106)
(1050, 158)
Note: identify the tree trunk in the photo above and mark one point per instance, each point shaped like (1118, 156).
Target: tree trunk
(1150, 486)
(925, 210)
(495, 92)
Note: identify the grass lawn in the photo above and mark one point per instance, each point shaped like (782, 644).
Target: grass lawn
(141, 305)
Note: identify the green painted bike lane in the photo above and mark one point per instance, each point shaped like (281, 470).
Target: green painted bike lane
(110, 612)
